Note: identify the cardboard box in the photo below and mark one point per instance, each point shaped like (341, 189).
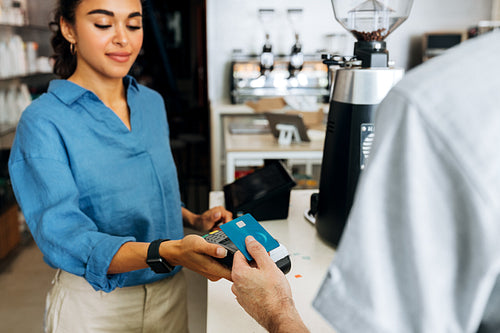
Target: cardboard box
(267, 104)
(312, 119)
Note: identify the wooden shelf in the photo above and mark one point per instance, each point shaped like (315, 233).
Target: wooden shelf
(7, 129)
(9, 231)
(23, 26)
(7, 133)
(29, 77)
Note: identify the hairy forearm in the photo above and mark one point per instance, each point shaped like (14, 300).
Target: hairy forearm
(287, 320)
(289, 323)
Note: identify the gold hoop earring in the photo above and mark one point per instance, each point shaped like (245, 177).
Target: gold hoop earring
(72, 49)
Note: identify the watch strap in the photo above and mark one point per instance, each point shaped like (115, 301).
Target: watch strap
(157, 263)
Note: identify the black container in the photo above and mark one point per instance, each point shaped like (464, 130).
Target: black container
(349, 126)
(349, 136)
(265, 193)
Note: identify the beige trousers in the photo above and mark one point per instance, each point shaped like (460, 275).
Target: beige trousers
(74, 306)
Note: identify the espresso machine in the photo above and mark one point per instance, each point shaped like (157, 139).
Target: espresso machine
(270, 74)
(361, 82)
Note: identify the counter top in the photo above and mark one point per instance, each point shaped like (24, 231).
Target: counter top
(228, 108)
(310, 258)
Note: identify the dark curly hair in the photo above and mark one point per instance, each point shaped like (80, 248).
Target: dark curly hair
(64, 61)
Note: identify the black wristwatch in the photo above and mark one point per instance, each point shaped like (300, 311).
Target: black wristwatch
(155, 261)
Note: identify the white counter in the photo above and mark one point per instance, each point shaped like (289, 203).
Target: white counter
(310, 258)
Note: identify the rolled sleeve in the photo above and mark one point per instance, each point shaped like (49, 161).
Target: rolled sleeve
(68, 238)
(97, 266)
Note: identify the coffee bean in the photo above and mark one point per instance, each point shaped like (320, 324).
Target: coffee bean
(376, 35)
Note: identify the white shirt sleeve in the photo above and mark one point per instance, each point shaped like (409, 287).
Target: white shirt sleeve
(419, 253)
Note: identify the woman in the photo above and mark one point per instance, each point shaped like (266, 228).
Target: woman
(93, 173)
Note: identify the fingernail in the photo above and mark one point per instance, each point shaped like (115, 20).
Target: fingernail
(217, 215)
(221, 252)
(250, 239)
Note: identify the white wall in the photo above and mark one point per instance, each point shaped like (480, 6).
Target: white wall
(234, 24)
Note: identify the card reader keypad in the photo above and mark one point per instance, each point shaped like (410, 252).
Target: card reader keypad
(219, 237)
(216, 237)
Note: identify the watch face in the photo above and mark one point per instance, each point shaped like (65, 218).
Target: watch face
(155, 261)
(159, 265)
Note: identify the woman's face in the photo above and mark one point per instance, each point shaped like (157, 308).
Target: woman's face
(108, 37)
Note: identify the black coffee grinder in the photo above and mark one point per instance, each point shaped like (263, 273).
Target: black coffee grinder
(361, 82)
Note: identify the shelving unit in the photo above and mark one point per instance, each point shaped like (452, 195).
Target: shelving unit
(251, 150)
(37, 82)
(233, 152)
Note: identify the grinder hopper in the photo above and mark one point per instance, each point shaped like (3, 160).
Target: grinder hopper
(370, 22)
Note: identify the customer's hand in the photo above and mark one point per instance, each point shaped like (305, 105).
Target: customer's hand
(263, 291)
(208, 220)
(196, 254)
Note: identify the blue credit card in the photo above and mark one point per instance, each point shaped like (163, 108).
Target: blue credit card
(238, 229)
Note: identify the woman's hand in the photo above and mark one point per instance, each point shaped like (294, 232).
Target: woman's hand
(208, 220)
(196, 254)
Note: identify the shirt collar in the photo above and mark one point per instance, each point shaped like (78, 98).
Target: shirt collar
(68, 92)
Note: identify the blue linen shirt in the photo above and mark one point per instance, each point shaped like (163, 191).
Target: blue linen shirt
(87, 185)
